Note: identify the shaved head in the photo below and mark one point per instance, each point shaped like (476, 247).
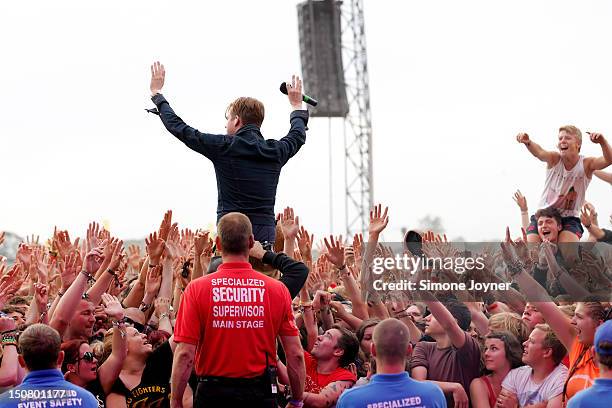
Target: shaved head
(235, 232)
(391, 340)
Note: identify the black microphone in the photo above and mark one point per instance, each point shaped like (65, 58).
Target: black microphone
(305, 98)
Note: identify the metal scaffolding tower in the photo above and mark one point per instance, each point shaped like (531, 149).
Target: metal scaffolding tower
(359, 186)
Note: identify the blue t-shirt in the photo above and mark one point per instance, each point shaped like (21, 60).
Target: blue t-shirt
(47, 389)
(598, 395)
(393, 390)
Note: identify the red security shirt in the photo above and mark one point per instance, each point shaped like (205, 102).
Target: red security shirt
(234, 316)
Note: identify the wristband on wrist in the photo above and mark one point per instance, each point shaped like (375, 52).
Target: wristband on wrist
(109, 270)
(296, 403)
(152, 266)
(90, 278)
(42, 316)
(120, 325)
(9, 338)
(144, 307)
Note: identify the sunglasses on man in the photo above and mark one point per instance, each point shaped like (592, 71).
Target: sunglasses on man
(138, 326)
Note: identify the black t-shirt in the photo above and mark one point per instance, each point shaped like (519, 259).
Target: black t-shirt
(154, 388)
(96, 389)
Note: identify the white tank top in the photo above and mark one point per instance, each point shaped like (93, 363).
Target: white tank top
(565, 189)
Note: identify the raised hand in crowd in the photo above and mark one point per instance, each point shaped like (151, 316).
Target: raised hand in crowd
(166, 226)
(335, 252)
(588, 218)
(112, 306)
(174, 250)
(33, 241)
(38, 310)
(120, 281)
(108, 272)
(41, 265)
(349, 256)
(24, 256)
(155, 249)
(378, 220)
(202, 245)
(72, 265)
(290, 225)
(305, 240)
(186, 240)
(62, 244)
(521, 201)
(10, 282)
(358, 248)
(93, 236)
(134, 258)
(154, 280)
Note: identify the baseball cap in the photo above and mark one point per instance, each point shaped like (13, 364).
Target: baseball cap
(603, 333)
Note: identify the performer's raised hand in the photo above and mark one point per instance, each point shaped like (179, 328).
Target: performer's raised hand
(294, 92)
(158, 75)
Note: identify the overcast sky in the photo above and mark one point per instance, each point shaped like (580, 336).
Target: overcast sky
(451, 82)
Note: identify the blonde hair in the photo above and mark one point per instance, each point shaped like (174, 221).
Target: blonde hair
(107, 346)
(510, 322)
(552, 341)
(574, 131)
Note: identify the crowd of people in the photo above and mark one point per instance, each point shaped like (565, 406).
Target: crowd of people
(257, 313)
(111, 313)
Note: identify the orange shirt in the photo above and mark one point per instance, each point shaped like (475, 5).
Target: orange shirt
(585, 373)
(234, 316)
